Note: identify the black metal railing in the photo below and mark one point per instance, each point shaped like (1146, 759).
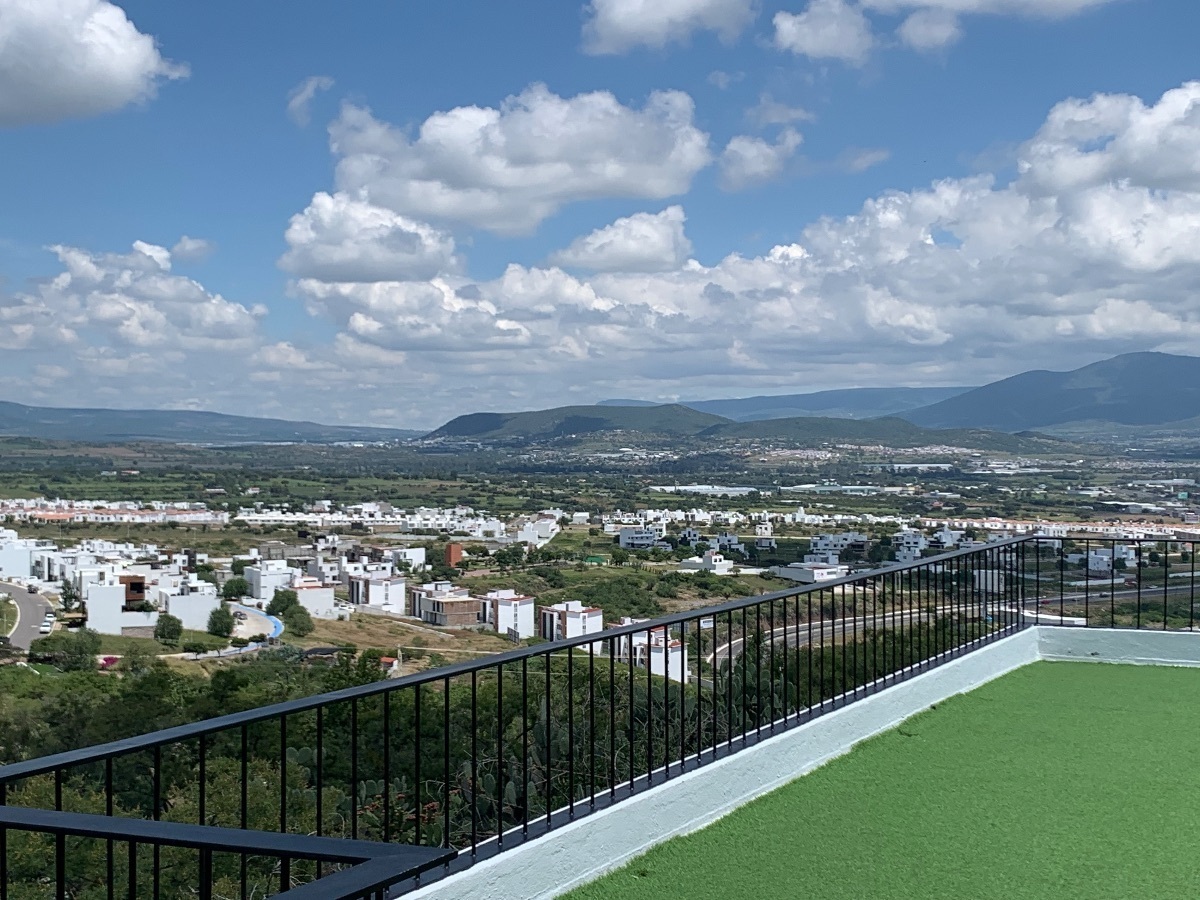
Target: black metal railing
(469, 760)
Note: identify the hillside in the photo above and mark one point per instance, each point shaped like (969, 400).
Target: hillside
(681, 422)
(848, 403)
(546, 424)
(890, 432)
(185, 426)
(1138, 389)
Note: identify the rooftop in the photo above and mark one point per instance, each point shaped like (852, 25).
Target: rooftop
(1056, 780)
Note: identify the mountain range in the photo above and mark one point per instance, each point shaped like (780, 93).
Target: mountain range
(1132, 391)
(848, 403)
(1135, 389)
(680, 422)
(182, 426)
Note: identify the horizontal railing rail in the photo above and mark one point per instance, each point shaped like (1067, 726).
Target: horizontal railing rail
(475, 758)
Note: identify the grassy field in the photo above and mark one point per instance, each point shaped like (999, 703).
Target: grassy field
(116, 645)
(1066, 780)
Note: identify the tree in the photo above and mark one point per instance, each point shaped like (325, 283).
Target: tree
(68, 596)
(221, 621)
(238, 566)
(619, 557)
(297, 620)
(195, 648)
(284, 599)
(235, 589)
(168, 630)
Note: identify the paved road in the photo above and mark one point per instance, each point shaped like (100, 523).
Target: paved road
(32, 609)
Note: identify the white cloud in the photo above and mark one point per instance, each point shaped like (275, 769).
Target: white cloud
(338, 238)
(856, 160)
(192, 249)
(643, 242)
(617, 26)
(930, 29)
(769, 111)
(507, 169)
(750, 161)
(1044, 9)
(301, 96)
(827, 29)
(722, 80)
(62, 59)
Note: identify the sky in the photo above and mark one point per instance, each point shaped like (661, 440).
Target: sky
(392, 213)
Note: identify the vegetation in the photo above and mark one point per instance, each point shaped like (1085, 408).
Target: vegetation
(221, 622)
(235, 589)
(168, 629)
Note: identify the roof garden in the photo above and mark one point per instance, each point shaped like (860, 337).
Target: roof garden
(1056, 780)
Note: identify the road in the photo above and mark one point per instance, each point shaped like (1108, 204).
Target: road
(32, 609)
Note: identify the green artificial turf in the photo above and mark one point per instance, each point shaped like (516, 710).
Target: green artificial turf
(1059, 780)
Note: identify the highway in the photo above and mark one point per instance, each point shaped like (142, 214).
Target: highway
(32, 609)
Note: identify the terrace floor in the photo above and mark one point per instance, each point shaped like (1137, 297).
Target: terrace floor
(1058, 780)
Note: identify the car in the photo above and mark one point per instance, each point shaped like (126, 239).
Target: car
(46, 628)
(51, 616)
(33, 588)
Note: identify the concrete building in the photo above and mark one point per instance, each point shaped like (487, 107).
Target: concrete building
(569, 619)
(267, 576)
(711, 561)
(508, 613)
(386, 592)
(656, 650)
(810, 573)
(441, 603)
(727, 541)
(120, 606)
(637, 538)
(317, 598)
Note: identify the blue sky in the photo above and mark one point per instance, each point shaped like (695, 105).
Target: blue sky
(693, 198)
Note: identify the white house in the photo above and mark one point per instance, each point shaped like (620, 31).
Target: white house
(112, 610)
(822, 557)
(727, 540)
(764, 536)
(386, 592)
(654, 649)
(268, 576)
(508, 613)
(317, 598)
(410, 558)
(908, 545)
(637, 538)
(711, 561)
(810, 573)
(569, 619)
(424, 598)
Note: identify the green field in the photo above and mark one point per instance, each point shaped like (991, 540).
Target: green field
(1066, 780)
(8, 615)
(116, 645)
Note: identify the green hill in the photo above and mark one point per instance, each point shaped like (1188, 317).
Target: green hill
(565, 421)
(1135, 389)
(177, 425)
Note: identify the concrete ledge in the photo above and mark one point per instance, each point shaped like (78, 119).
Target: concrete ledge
(1143, 648)
(585, 849)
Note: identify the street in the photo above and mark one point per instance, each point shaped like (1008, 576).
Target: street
(32, 609)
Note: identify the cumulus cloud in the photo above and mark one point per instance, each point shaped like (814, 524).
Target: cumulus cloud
(750, 161)
(643, 242)
(769, 111)
(617, 26)
(301, 97)
(930, 29)
(190, 249)
(827, 29)
(508, 169)
(63, 59)
(1044, 9)
(338, 238)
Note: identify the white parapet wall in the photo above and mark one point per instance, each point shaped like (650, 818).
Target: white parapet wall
(1115, 645)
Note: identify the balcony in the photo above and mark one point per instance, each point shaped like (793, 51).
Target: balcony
(1056, 780)
(535, 771)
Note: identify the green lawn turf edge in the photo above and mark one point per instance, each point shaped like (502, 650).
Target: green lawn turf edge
(1065, 780)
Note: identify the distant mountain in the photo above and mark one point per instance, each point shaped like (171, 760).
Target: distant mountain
(848, 403)
(547, 424)
(678, 421)
(184, 426)
(1141, 389)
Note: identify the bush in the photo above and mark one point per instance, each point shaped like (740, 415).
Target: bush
(70, 652)
(195, 647)
(221, 621)
(168, 630)
(297, 620)
(283, 600)
(235, 588)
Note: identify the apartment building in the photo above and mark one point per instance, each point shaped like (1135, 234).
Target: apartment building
(508, 613)
(569, 619)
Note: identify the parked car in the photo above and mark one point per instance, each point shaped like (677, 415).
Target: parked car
(46, 628)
